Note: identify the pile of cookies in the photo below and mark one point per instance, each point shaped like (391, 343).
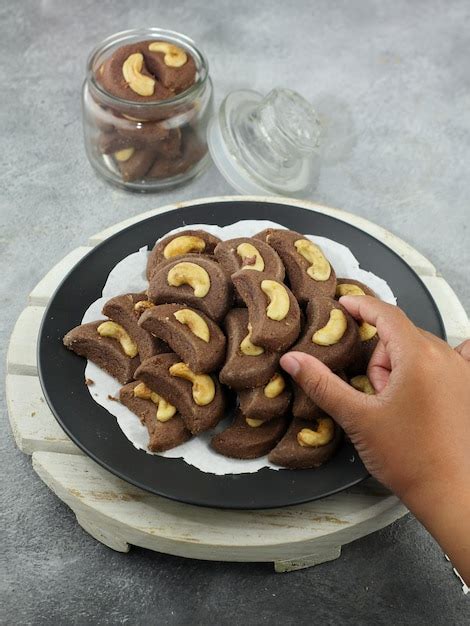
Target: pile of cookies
(209, 332)
(151, 143)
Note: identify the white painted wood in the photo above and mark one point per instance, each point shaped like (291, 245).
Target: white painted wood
(21, 355)
(322, 555)
(43, 291)
(119, 514)
(453, 314)
(33, 425)
(414, 258)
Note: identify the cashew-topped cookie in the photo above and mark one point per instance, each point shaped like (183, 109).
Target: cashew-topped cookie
(273, 311)
(245, 253)
(147, 71)
(198, 397)
(330, 334)
(307, 445)
(125, 74)
(247, 365)
(194, 280)
(164, 424)
(126, 311)
(367, 332)
(190, 333)
(108, 345)
(180, 244)
(248, 254)
(309, 271)
(249, 439)
(174, 67)
(266, 402)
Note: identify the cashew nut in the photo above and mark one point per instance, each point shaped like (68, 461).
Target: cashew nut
(252, 422)
(182, 245)
(132, 72)
(251, 258)
(362, 383)
(142, 305)
(186, 273)
(247, 347)
(165, 410)
(196, 324)
(367, 331)
(124, 154)
(279, 304)
(275, 387)
(348, 289)
(203, 385)
(323, 434)
(116, 331)
(319, 269)
(174, 56)
(335, 328)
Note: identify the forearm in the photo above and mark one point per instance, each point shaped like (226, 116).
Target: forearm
(443, 507)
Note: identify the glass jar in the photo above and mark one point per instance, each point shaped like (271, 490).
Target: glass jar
(143, 145)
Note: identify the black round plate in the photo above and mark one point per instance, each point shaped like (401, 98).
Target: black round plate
(96, 432)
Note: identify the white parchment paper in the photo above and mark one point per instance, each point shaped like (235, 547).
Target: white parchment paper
(129, 276)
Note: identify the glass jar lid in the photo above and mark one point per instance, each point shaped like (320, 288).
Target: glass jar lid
(266, 144)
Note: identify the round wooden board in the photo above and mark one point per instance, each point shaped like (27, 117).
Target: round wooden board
(120, 515)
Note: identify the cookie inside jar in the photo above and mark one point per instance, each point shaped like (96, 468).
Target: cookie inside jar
(147, 101)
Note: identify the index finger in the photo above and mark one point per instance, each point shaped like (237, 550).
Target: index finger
(391, 323)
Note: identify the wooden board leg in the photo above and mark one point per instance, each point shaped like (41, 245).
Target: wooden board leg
(322, 555)
(107, 537)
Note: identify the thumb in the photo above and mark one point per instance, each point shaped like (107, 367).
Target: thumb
(329, 391)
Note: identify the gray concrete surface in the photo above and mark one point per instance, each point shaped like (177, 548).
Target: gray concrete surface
(391, 82)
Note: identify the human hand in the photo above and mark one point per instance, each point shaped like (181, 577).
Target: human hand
(414, 434)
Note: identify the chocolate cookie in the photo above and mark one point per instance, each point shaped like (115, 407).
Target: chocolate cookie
(198, 397)
(241, 441)
(331, 334)
(174, 67)
(193, 280)
(303, 407)
(163, 435)
(247, 254)
(309, 271)
(367, 333)
(306, 445)
(352, 287)
(125, 74)
(191, 334)
(246, 365)
(267, 402)
(180, 244)
(126, 311)
(112, 350)
(273, 311)
(151, 136)
(192, 150)
(134, 163)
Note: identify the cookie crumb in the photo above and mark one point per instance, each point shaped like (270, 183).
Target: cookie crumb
(33, 413)
(110, 397)
(89, 382)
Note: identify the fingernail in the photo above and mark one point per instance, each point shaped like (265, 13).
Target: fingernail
(290, 364)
